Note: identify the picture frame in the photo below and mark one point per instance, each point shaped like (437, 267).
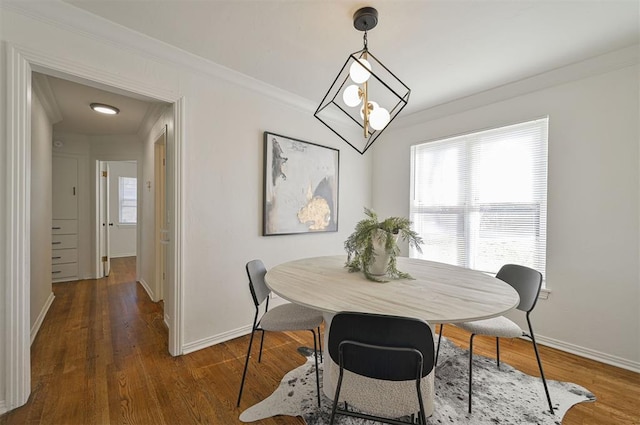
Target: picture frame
(300, 186)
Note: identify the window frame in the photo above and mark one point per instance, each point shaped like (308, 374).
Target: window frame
(466, 206)
(122, 199)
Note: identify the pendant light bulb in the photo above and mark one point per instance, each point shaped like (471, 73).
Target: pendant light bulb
(351, 96)
(359, 71)
(379, 118)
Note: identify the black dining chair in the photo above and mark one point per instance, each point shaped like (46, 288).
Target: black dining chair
(286, 317)
(381, 347)
(527, 282)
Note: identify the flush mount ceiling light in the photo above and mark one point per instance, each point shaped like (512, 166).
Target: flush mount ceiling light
(104, 109)
(363, 80)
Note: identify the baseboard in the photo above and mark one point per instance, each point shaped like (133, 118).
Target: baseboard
(36, 326)
(166, 320)
(3, 407)
(550, 342)
(147, 288)
(216, 339)
(589, 353)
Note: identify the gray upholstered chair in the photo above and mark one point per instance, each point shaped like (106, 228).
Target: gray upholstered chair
(286, 317)
(383, 347)
(527, 282)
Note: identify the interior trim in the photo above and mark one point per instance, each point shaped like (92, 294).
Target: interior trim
(17, 230)
(589, 353)
(43, 313)
(20, 64)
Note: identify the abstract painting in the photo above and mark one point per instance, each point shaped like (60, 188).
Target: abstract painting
(300, 186)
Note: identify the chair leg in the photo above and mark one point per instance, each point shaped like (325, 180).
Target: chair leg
(470, 367)
(261, 342)
(336, 398)
(246, 365)
(544, 381)
(498, 351)
(422, 419)
(315, 356)
(320, 344)
(435, 362)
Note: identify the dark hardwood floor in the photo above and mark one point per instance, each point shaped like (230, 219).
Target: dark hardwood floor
(101, 358)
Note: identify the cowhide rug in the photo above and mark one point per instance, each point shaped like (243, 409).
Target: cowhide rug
(500, 396)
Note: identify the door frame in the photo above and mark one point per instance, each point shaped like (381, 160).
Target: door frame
(19, 65)
(101, 218)
(160, 224)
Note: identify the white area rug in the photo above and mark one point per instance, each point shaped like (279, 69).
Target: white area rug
(500, 396)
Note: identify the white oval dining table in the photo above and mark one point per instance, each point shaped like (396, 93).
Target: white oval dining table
(438, 293)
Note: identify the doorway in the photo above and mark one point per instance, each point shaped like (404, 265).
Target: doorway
(19, 66)
(117, 207)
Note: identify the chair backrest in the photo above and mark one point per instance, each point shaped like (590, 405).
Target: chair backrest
(526, 281)
(363, 335)
(259, 290)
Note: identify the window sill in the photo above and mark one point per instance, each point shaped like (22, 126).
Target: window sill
(544, 294)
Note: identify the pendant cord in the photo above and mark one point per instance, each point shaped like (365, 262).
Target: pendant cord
(365, 40)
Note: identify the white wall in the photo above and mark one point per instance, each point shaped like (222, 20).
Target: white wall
(593, 195)
(122, 237)
(41, 213)
(223, 199)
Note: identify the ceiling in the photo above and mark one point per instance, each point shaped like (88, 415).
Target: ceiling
(443, 50)
(74, 115)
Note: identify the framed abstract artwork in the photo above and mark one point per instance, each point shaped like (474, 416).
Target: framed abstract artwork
(300, 186)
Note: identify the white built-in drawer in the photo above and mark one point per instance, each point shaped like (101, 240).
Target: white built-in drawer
(59, 271)
(64, 241)
(64, 227)
(61, 256)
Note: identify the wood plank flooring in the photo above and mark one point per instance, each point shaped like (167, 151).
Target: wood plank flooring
(101, 358)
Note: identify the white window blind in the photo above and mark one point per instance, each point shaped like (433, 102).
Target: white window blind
(480, 200)
(128, 194)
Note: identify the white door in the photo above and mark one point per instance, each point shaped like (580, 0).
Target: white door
(103, 218)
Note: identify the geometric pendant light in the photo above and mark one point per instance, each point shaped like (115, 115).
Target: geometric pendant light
(365, 96)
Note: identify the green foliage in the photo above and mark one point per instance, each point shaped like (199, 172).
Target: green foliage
(359, 245)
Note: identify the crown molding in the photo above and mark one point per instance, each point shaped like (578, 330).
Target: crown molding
(42, 88)
(85, 24)
(602, 64)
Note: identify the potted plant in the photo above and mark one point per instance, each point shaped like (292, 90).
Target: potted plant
(373, 247)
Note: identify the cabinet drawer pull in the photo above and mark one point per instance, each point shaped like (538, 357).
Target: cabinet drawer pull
(56, 243)
(56, 271)
(56, 228)
(56, 258)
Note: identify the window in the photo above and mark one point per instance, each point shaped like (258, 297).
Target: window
(128, 194)
(480, 200)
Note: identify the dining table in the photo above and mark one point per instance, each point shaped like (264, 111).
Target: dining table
(436, 292)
